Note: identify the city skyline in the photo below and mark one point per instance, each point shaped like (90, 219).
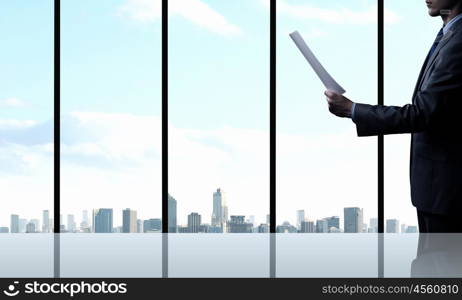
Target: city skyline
(20, 225)
(103, 221)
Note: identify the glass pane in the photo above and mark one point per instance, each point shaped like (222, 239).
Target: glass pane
(26, 138)
(111, 137)
(403, 61)
(326, 175)
(219, 129)
(409, 255)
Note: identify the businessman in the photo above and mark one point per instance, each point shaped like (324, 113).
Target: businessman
(433, 120)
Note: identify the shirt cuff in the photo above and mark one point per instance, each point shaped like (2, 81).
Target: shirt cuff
(353, 111)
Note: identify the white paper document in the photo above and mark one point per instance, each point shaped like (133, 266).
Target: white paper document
(325, 77)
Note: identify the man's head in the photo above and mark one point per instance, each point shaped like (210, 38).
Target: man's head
(443, 7)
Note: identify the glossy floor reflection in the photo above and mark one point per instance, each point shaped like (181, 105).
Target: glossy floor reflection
(230, 255)
(423, 255)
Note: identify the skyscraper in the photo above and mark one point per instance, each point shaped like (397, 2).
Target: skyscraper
(322, 226)
(353, 219)
(30, 227)
(333, 222)
(14, 226)
(129, 221)
(392, 226)
(194, 222)
(139, 226)
(71, 226)
(307, 226)
(22, 225)
(403, 228)
(251, 220)
(36, 223)
(46, 221)
(220, 209)
(85, 216)
(300, 217)
(172, 225)
(62, 227)
(373, 223)
(85, 224)
(102, 220)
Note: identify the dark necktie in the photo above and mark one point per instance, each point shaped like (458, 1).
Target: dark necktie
(436, 42)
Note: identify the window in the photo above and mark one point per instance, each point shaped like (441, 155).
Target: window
(218, 136)
(327, 176)
(328, 179)
(26, 138)
(111, 138)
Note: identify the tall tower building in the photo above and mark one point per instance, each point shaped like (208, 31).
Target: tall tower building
(85, 224)
(85, 216)
(220, 209)
(30, 227)
(129, 221)
(322, 226)
(373, 224)
(300, 217)
(71, 226)
(22, 225)
(14, 226)
(36, 223)
(46, 221)
(194, 222)
(392, 226)
(307, 226)
(352, 219)
(172, 223)
(102, 220)
(62, 227)
(139, 226)
(251, 220)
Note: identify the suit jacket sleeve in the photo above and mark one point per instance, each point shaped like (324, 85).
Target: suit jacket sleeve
(438, 97)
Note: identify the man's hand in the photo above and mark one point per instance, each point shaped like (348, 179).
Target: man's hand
(338, 104)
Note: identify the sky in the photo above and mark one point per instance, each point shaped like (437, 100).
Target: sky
(218, 106)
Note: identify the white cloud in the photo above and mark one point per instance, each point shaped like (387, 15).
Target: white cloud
(390, 17)
(13, 102)
(195, 11)
(16, 124)
(335, 16)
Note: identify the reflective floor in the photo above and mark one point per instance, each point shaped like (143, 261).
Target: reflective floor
(231, 255)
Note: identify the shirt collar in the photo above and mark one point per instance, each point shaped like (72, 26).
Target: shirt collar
(451, 22)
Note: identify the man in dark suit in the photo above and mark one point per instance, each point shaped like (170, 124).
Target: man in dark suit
(432, 119)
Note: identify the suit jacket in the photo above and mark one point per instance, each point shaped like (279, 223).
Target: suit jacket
(432, 119)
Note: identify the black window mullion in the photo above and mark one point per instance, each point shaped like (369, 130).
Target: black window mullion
(272, 116)
(164, 116)
(56, 137)
(380, 142)
(380, 97)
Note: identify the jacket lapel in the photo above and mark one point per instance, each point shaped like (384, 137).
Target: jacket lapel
(422, 69)
(431, 60)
